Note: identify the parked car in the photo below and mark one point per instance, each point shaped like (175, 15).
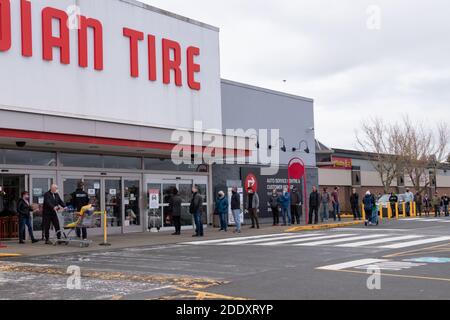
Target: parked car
(384, 202)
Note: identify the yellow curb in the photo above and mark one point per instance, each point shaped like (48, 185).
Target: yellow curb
(9, 255)
(324, 226)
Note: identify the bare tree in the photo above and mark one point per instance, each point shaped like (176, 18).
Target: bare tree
(381, 143)
(422, 149)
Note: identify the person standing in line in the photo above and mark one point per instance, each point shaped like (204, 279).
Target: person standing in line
(427, 205)
(445, 204)
(393, 200)
(418, 200)
(354, 203)
(80, 199)
(325, 205)
(236, 209)
(175, 208)
(253, 207)
(369, 205)
(285, 203)
(24, 210)
(336, 206)
(222, 210)
(296, 205)
(52, 204)
(195, 208)
(409, 197)
(274, 206)
(436, 203)
(314, 205)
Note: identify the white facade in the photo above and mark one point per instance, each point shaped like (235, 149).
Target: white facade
(31, 84)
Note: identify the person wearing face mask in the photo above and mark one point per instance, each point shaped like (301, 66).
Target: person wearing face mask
(274, 206)
(52, 204)
(24, 210)
(252, 207)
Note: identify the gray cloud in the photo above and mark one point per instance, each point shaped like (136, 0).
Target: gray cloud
(325, 51)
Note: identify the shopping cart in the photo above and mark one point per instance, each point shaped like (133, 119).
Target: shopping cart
(71, 220)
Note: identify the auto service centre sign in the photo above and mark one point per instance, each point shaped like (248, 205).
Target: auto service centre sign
(111, 60)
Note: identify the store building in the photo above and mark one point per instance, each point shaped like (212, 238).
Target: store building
(348, 169)
(99, 99)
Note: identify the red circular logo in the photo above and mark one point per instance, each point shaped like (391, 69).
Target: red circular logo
(251, 182)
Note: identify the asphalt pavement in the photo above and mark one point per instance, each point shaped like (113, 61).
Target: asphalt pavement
(405, 259)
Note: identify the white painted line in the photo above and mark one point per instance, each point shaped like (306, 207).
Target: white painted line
(318, 243)
(376, 241)
(303, 240)
(415, 243)
(236, 239)
(410, 219)
(234, 243)
(351, 264)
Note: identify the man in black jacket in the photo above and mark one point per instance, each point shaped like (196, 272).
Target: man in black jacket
(354, 202)
(296, 205)
(175, 207)
(195, 209)
(314, 204)
(52, 203)
(24, 210)
(80, 199)
(236, 209)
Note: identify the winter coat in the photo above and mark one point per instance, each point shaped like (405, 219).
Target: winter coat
(24, 209)
(354, 200)
(314, 199)
(196, 203)
(369, 202)
(273, 201)
(235, 201)
(285, 200)
(222, 205)
(255, 202)
(296, 198)
(175, 205)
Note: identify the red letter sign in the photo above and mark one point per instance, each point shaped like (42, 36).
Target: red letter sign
(96, 25)
(169, 64)
(5, 25)
(49, 41)
(151, 58)
(27, 42)
(134, 36)
(192, 67)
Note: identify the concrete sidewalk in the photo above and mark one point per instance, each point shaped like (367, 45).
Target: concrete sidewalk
(131, 240)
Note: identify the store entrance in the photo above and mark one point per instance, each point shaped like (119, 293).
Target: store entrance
(11, 187)
(118, 196)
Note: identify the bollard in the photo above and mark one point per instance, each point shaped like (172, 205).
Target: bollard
(381, 212)
(363, 212)
(396, 210)
(404, 209)
(105, 230)
(389, 211)
(415, 208)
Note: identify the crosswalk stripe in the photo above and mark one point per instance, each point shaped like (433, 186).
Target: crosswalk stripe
(377, 241)
(351, 264)
(235, 243)
(303, 240)
(415, 243)
(318, 243)
(236, 239)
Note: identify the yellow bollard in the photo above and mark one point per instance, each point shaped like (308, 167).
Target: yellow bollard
(396, 210)
(389, 211)
(363, 212)
(415, 209)
(105, 230)
(404, 209)
(381, 212)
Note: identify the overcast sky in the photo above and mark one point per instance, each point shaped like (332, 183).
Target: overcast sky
(325, 50)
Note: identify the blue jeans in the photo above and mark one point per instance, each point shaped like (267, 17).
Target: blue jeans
(324, 212)
(446, 210)
(237, 218)
(198, 224)
(336, 211)
(223, 221)
(25, 222)
(286, 213)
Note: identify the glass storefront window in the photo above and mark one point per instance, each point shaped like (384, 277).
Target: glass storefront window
(31, 158)
(113, 162)
(131, 201)
(168, 165)
(81, 160)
